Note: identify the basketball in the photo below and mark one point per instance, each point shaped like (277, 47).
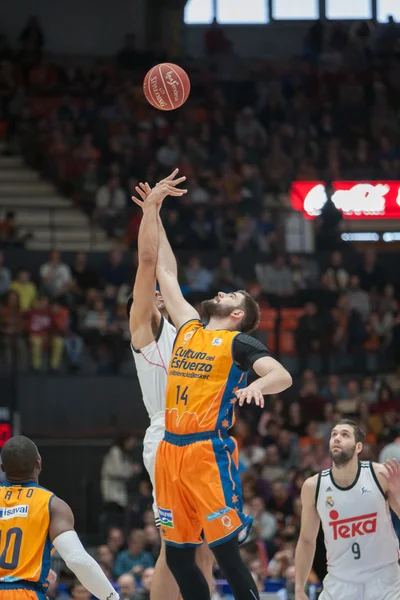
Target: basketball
(166, 86)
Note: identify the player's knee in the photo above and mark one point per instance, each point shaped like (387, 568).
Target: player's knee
(204, 558)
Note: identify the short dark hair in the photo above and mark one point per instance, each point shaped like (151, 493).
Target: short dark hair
(251, 310)
(19, 456)
(359, 434)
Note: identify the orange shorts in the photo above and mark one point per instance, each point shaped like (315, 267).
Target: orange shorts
(198, 490)
(19, 594)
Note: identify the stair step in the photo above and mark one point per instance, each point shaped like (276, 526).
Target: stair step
(10, 162)
(46, 217)
(37, 188)
(104, 246)
(34, 202)
(74, 235)
(17, 176)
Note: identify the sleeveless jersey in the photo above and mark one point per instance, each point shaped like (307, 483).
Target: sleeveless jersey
(202, 380)
(358, 530)
(152, 367)
(25, 546)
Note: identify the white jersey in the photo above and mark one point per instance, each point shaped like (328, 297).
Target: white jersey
(152, 363)
(359, 535)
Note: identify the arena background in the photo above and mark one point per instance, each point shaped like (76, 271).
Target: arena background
(271, 85)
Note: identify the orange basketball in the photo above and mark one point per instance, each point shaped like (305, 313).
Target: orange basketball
(166, 86)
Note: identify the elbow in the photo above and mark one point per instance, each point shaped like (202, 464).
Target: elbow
(286, 380)
(148, 258)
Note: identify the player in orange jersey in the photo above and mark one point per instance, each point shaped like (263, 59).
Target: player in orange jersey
(197, 478)
(32, 522)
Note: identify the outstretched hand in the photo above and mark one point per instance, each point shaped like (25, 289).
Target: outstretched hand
(165, 187)
(249, 393)
(392, 476)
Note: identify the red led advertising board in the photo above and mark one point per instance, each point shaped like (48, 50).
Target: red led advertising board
(355, 199)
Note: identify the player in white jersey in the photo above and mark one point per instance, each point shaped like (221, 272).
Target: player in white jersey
(152, 339)
(351, 501)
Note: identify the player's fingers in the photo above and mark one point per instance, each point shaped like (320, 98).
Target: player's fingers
(142, 185)
(389, 467)
(396, 464)
(171, 175)
(262, 401)
(137, 201)
(141, 190)
(177, 181)
(147, 188)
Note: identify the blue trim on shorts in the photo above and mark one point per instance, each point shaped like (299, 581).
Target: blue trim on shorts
(190, 438)
(24, 585)
(184, 545)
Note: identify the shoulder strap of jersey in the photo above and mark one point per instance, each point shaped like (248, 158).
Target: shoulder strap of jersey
(374, 477)
(317, 488)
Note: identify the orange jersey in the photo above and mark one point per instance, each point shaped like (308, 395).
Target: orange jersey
(202, 380)
(25, 546)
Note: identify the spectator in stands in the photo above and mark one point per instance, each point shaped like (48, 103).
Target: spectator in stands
(198, 278)
(225, 279)
(12, 333)
(83, 276)
(295, 421)
(338, 272)
(115, 540)
(134, 560)
(280, 502)
(334, 390)
(349, 404)
(5, 276)
(275, 278)
(42, 335)
(117, 468)
(25, 289)
(73, 343)
(127, 586)
(114, 273)
(391, 450)
(143, 593)
(358, 298)
(111, 206)
(273, 469)
(175, 229)
(370, 273)
(55, 276)
(264, 524)
(79, 592)
(308, 335)
(105, 557)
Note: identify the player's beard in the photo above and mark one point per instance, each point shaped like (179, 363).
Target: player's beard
(211, 308)
(343, 457)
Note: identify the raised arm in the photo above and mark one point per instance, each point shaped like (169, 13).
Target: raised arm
(68, 545)
(178, 308)
(144, 318)
(305, 548)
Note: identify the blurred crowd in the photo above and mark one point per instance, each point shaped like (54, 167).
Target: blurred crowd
(331, 315)
(246, 132)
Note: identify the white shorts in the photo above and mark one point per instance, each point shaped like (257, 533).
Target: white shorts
(383, 585)
(154, 435)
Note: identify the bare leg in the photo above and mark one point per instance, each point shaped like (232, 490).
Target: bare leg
(163, 585)
(205, 561)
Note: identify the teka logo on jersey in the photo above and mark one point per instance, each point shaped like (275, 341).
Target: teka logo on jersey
(348, 528)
